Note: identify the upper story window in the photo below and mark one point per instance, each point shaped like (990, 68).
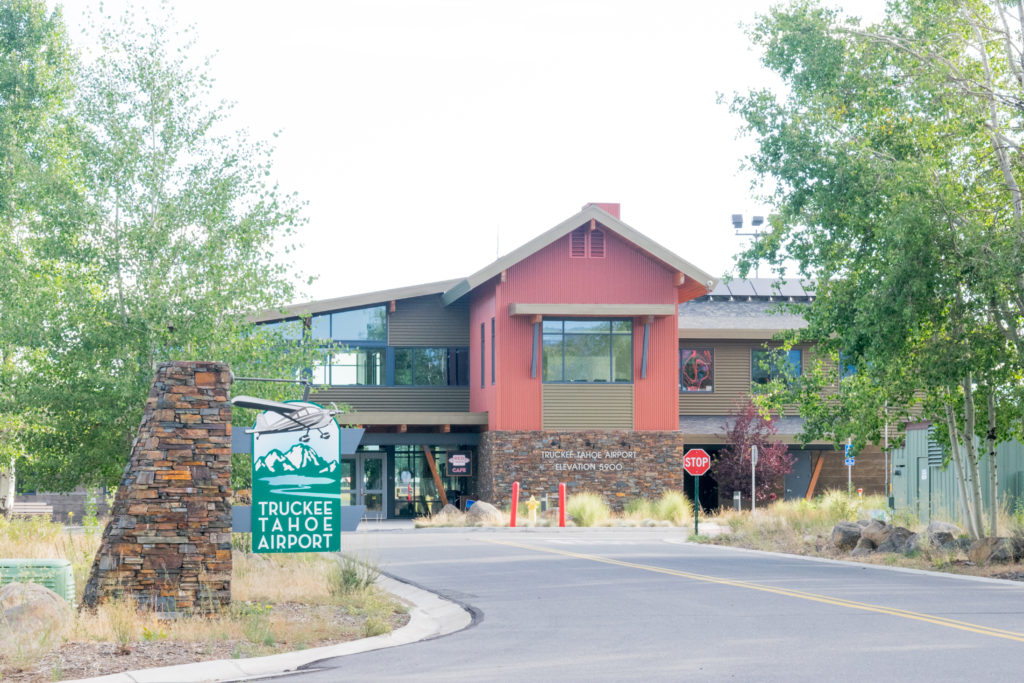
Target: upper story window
(434, 366)
(697, 370)
(586, 243)
(588, 350)
(354, 365)
(289, 329)
(767, 365)
(361, 324)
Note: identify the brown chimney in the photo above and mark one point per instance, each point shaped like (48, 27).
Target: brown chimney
(612, 208)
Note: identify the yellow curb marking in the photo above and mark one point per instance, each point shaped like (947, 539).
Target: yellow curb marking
(841, 602)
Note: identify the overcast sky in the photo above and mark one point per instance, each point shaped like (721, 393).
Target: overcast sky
(430, 135)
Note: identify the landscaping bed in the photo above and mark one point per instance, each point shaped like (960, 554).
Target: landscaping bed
(281, 603)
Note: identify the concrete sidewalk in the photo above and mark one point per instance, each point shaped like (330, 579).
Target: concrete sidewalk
(430, 616)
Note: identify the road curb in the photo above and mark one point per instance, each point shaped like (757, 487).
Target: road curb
(430, 616)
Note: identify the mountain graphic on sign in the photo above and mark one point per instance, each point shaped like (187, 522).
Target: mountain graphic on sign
(299, 459)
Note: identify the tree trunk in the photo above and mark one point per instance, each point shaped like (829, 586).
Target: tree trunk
(961, 476)
(971, 456)
(993, 468)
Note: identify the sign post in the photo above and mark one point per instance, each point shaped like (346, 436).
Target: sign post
(296, 485)
(696, 462)
(753, 476)
(849, 467)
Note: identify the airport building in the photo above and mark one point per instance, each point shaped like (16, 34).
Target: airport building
(590, 355)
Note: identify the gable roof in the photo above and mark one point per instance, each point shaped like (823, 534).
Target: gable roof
(589, 212)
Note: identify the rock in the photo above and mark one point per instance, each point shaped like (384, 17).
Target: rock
(450, 514)
(896, 540)
(845, 535)
(913, 544)
(865, 546)
(942, 533)
(485, 514)
(31, 613)
(989, 550)
(876, 531)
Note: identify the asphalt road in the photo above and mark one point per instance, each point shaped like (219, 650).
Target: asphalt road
(642, 604)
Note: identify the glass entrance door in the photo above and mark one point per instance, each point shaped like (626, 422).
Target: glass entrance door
(362, 483)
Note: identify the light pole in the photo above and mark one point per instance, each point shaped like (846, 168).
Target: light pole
(755, 224)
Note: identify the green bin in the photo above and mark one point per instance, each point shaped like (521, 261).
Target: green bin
(57, 575)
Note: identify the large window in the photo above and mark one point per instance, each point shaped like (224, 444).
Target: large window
(697, 370)
(767, 365)
(588, 350)
(361, 324)
(351, 366)
(438, 366)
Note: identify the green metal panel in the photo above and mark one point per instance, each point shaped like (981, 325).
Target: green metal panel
(57, 575)
(937, 497)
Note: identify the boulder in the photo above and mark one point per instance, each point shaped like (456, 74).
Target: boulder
(865, 546)
(31, 613)
(991, 550)
(845, 535)
(485, 514)
(942, 533)
(876, 531)
(914, 544)
(896, 540)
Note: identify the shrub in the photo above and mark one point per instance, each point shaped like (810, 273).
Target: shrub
(640, 507)
(351, 575)
(675, 507)
(587, 509)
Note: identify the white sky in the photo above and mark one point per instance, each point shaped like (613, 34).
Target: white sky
(427, 133)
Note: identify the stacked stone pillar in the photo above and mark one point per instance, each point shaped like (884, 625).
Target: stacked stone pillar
(168, 543)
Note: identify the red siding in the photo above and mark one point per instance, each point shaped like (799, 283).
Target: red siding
(481, 309)
(625, 275)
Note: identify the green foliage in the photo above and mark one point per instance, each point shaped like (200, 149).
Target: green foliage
(255, 622)
(675, 507)
(351, 575)
(141, 231)
(242, 542)
(640, 507)
(587, 509)
(241, 471)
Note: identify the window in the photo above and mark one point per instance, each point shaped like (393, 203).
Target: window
(361, 324)
(290, 330)
(492, 351)
(767, 365)
(438, 366)
(483, 357)
(697, 370)
(358, 366)
(588, 350)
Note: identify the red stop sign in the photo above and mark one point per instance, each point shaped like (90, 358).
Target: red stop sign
(696, 462)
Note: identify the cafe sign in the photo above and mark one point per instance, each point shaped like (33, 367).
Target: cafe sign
(459, 465)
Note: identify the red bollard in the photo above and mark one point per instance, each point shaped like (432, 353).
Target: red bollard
(561, 505)
(515, 502)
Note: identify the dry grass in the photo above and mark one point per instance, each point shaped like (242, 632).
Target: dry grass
(280, 602)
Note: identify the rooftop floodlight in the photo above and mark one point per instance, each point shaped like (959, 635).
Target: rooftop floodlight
(737, 220)
(757, 220)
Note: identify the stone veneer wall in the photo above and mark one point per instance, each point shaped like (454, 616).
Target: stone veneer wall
(168, 543)
(619, 465)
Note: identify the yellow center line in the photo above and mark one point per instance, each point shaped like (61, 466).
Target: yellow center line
(841, 602)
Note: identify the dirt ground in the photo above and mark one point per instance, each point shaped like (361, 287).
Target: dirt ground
(82, 659)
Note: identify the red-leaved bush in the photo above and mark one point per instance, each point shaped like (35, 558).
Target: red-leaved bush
(731, 468)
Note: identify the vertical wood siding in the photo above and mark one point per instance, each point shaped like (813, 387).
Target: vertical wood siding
(588, 406)
(626, 275)
(425, 321)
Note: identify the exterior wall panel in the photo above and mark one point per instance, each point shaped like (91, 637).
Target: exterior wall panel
(626, 275)
(588, 406)
(425, 321)
(397, 399)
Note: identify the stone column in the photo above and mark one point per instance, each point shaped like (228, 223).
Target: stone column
(168, 542)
